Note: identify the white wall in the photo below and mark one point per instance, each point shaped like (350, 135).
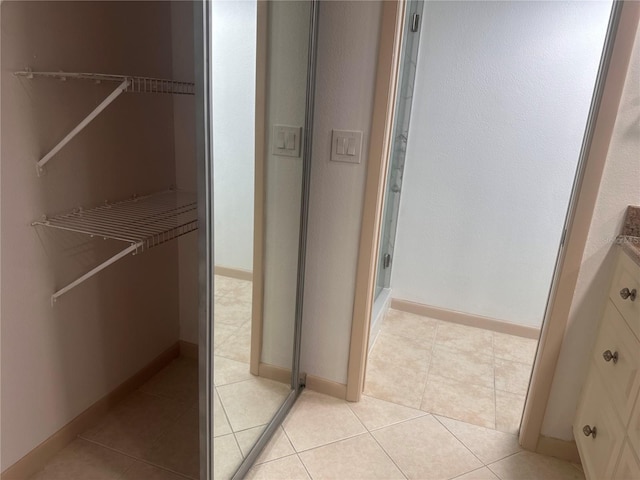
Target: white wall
(347, 58)
(288, 31)
(234, 66)
(58, 361)
(620, 186)
(502, 95)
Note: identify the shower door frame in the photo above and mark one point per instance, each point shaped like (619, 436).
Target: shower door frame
(617, 51)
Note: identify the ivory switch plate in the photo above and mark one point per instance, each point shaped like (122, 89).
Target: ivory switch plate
(286, 141)
(346, 146)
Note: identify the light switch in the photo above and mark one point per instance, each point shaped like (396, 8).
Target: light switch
(286, 140)
(346, 146)
(291, 141)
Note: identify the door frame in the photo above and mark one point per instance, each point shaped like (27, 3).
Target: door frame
(608, 90)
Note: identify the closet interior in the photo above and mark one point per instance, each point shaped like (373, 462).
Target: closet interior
(99, 212)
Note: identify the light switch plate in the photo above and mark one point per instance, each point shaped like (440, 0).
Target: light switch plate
(346, 146)
(286, 140)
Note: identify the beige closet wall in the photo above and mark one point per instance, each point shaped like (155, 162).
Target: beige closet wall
(57, 361)
(184, 117)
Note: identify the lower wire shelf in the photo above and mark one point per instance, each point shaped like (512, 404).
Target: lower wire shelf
(141, 223)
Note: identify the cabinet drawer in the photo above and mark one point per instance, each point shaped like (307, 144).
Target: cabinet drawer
(599, 454)
(620, 374)
(628, 466)
(627, 276)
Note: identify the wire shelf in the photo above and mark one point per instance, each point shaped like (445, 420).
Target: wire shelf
(134, 84)
(141, 222)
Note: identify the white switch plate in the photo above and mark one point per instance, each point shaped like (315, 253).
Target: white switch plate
(346, 146)
(286, 141)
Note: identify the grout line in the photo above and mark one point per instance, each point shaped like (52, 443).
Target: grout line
(495, 395)
(139, 459)
(389, 456)
(460, 441)
(304, 466)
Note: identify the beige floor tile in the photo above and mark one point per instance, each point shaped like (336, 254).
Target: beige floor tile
(318, 419)
(229, 311)
(423, 449)
(179, 448)
(512, 377)
(136, 422)
(516, 349)
(354, 458)
(289, 468)
(375, 413)
(481, 474)
(531, 466)
(179, 380)
(400, 351)
(227, 371)
(467, 339)
(279, 446)
(415, 327)
(85, 460)
(509, 408)
(466, 367)
(222, 333)
(252, 402)
(486, 444)
(394, 383)
(226, 457)
(227, 286)
(220, 423)
(236, 347)
(469, 403)
(144, 471)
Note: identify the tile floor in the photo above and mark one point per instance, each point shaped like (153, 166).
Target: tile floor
(151, 435)
(327, 438)
(469, 374)
(406, 426)
(243, 404)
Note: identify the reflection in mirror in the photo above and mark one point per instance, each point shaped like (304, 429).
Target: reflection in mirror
(259, 74)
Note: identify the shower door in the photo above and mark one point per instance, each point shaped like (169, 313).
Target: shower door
(406, 80)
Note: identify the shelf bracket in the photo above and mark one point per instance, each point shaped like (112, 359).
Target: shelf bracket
(105, 103)
(130, 249)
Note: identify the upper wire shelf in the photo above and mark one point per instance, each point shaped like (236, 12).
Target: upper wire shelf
(141, 222)
(126, 84)
(135, 84)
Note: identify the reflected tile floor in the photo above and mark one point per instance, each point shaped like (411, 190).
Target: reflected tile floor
(327, 438)
(468, 374)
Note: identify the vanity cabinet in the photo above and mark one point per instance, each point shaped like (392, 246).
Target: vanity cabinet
(607, 423)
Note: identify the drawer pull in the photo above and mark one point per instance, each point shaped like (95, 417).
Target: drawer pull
(608, 356)
(626, 293)
(587, 430)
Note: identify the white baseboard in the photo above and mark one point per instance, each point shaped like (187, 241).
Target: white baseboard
(468, 319)
(233, 273)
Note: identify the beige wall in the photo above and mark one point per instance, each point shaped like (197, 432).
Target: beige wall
(184, 117)
(619, 187)
(346, 69)
(58, 361)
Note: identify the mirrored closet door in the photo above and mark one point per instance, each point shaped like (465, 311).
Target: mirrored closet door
(260, 67)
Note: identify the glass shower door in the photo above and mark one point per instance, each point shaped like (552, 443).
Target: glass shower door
(406, 82)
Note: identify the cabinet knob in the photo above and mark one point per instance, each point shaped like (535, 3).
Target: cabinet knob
(588, 430)
(626, 293)
(608, 356)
